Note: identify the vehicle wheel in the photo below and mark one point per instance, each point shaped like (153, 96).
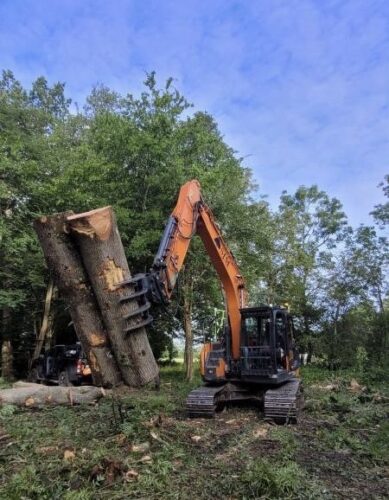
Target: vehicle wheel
(64, 380)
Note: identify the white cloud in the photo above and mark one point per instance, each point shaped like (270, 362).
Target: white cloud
(298, 86)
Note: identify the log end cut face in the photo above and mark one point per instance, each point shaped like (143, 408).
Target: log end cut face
(94, 224)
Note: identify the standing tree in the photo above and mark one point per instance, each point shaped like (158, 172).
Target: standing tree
(153, 148)
(309, 224)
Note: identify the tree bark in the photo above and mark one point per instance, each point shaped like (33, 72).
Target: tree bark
(37, 395)
(334, 336)
(188, 345)
(50, 328)
(7, 360)
(104, 259)
(45, 322)
(187, 322)
(6, 348)
(64, 262)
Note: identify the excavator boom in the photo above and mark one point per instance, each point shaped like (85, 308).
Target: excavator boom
(191, 216)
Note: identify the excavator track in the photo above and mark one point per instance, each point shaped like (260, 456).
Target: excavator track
(202, 402)
(283, 403)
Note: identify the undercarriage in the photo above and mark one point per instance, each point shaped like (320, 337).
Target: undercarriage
(281, 404)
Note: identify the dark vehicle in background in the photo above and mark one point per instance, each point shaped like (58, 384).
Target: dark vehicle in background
(64, 365)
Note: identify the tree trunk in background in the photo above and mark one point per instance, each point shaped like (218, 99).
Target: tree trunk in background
(308, 337)
(384, 340)
(187, 322)
(64, 263)
(6, 348)
(7, 361)
(50, 325)
(104, 259)
(334, 337)
(45, 323)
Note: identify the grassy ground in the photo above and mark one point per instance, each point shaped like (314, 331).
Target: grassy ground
(140, 445)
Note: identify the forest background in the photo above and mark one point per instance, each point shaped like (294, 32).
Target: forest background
(134, 153)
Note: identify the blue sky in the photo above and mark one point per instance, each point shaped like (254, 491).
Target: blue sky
(299, 87)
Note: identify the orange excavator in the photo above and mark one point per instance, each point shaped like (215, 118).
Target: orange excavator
(255, 358)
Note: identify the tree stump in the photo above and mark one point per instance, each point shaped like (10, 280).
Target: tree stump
(65, 264)
(100, 245)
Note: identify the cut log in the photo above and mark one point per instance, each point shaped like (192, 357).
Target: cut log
(104, 259)
(36, 395)
(65, 264)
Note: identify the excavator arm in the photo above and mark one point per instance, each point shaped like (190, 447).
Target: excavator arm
(191, 216)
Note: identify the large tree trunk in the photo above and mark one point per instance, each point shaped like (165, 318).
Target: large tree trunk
(104, 259)
(65, 264)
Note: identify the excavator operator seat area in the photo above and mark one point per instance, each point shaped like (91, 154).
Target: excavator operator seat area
(264, 342)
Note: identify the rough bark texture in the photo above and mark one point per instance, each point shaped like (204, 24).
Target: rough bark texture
(104, 259)
(36, 395)
(65, 264)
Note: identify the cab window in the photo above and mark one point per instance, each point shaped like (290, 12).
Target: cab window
(281, 331)
(264, 331)
(251, 328)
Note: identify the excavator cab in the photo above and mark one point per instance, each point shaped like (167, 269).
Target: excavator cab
(268, 353)
(265, 370)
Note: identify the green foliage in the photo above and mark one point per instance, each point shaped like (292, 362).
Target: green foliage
(25, 484)
(361, 359)
(381, 212)
(130, 152)
(134, 153)
(7, 411)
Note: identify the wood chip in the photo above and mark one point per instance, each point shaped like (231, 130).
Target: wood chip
(261, 432)
(141, 447)
(155, 436)
(69, 455)
(131, 475)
